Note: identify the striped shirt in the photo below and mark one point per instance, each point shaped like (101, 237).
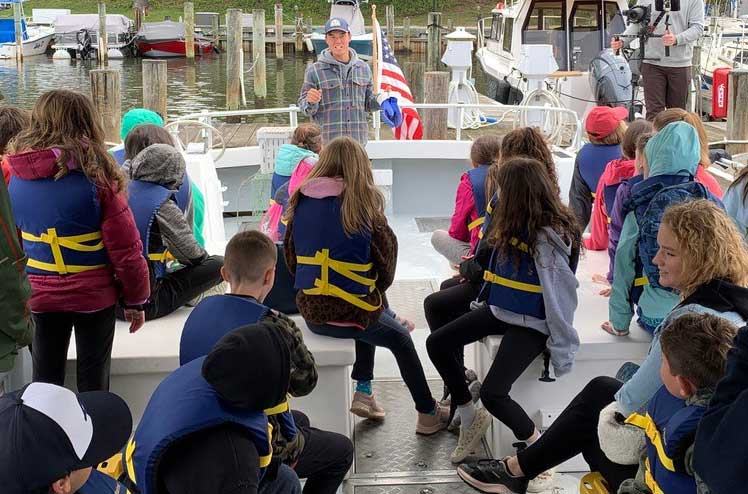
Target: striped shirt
(347, 97)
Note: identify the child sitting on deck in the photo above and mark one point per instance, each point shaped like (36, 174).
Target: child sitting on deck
(470, 204)
(605, 128)
(322, 457)
(694, 352)
(343, 254)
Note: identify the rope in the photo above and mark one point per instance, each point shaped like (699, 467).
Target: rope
(472, 118)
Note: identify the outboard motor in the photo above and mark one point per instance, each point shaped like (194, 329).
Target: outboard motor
(84, 43)
(610, 79)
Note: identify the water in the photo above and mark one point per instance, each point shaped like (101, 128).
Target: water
(193, 86)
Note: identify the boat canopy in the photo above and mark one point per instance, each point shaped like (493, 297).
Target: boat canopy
(152, 31)
(351, 12)
(115, 23)
(8, 30)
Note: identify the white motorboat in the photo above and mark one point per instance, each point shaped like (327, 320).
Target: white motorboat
(350, 10)
(36, 39)
(78, 34)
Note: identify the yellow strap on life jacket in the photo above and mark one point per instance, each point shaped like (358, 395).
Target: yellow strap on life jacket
(130, 461)
(265, 460)
(476, 223)
(593, 483)
(73, 242)
(649, 480)
(162, 257)
(278, 409)
(653, 434)
(350, 270)
(517, 285)
(113, 467)
(520, 245)
(592, 194)
(641, 281)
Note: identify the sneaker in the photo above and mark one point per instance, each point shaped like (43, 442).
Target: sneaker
(470, 438)
(219, 289)
(365, 406)
(428, 424)
(491, 476)
(474, 388)
(542, 482)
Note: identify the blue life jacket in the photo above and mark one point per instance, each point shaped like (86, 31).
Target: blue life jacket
(328, 261)
(609, 192)
(670, 428)
(276, 183)
(60, 223)
(649, 199)
(515, 288)
(101, 483)
(182, 404)
(592, 160)
(118, 153)
(146, 198)
(477, 178)
(211, 320)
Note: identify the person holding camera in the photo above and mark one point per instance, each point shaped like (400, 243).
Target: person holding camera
(672, 27)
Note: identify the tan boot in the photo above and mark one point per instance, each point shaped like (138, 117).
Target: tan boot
(428, 424)
(365, 406)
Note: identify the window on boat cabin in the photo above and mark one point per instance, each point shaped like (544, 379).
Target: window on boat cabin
(613, 22)
(508, 32)
(496, 27)
(586, 37)
(546, 25)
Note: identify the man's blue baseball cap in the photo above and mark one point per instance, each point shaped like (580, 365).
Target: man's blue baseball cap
(336, 24)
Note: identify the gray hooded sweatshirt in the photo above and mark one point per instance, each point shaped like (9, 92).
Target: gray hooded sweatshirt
(164, 165)
(559, 297)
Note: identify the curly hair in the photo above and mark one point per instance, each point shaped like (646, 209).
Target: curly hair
(528, 202)
(526, 142)
(69, 121)
(712, 247)
(696, 346)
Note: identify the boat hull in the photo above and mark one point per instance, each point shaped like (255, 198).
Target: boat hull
(170, 48)
(31, 47)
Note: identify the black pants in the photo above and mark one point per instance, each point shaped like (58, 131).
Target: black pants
(519, 347)
(325, 459)
(448, 304)
(665, 87)
(574, 432)
(94, 333)
(176, 289)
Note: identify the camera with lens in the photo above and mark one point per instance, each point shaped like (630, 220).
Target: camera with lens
(638, 14)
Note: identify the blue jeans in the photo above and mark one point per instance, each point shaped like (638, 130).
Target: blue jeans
(285, 482)
(388, 333)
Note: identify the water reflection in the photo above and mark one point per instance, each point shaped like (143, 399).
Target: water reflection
(193, 86)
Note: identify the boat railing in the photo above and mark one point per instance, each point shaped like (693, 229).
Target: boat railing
(500, 113)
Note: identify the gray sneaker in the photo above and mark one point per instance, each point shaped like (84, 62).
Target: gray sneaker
(470, 438)
(474, 388)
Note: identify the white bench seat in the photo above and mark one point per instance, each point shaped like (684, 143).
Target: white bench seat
(599, 354)
(142, 360)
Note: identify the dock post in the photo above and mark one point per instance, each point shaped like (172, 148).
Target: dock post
(233, 58)
(154, 86)
(299, 31)
(694, 102)
(102, 49)
(18, 31)
(279, 31)
(450, 25)
(258, 53)
(390, 16)
(406, 34)
(737, 110)
(414, 75)
(434, 41)
(436, 87)
(106, 95)
(189, 30)
(214, 23)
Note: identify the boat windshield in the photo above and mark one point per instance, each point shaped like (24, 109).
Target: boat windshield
(546, 26)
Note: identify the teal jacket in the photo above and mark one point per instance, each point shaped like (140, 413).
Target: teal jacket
(675, 150)
(288, 157)
(16, 326)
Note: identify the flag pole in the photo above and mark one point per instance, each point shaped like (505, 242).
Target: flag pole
(375, 49)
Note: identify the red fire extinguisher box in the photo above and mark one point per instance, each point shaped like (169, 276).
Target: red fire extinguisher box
(719, 92)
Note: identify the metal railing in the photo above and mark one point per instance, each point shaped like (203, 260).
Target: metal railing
(502, 112)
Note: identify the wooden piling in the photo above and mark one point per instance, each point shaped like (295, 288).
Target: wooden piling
(258, 53)
(434, 41)
(233, 58)
(189, 30)
(299, 31)
(436, 86)
(215, 28)
(390, 17)
(102, 51)
(154, 86)
(279, 31)
(697, 102)
(737, 110)
(450, 25)
(414, 73)
(137, 14)
(406, 35)
(18, 28)
(106, 95)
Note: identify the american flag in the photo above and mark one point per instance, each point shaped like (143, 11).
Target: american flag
(391, 79)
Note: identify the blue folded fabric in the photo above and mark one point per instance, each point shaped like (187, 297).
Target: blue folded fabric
(391, 113)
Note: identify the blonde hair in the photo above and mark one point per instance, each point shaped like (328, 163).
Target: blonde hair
(671, 115)
(712, 248)
(362, 202)
(615, 137)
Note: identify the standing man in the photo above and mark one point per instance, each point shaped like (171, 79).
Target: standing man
(337, 91)
(667, 78)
